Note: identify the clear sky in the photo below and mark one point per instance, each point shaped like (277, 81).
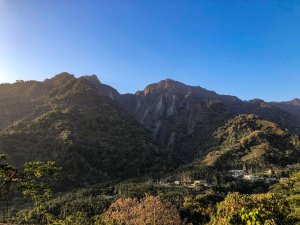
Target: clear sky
(247, 48)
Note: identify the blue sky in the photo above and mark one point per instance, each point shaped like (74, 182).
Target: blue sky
(246, 48)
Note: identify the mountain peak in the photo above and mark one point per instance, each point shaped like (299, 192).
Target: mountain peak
(261, 103)
(167, 83)
(295, 101)
(62, 75)
(256, 100)
(171, 82)
(102, 89)
(173, 86)
(92, 78)
(60, 78)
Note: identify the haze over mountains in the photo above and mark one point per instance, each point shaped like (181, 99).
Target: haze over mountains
(100, 135)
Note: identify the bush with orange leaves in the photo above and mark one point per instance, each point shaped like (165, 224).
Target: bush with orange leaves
(148, 210)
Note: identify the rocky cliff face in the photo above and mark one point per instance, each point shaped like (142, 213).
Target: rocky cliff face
(169, 103)
(175, 113)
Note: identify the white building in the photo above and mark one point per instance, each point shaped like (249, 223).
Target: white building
(177, 182)
(237, 173)
(249, 177)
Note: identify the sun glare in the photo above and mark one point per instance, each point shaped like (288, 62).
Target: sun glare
(4, 78)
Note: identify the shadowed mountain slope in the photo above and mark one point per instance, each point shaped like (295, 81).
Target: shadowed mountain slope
(293, 107)
(180, 117)
(92, 137)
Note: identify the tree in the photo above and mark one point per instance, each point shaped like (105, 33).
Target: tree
(36, 178)
(148, 210)
(289, 189)
(197, 209)
(33, 181)
(8, 177)
(256, 209)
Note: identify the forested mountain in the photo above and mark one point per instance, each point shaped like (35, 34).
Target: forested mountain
(92, 137)
(248, 140)
(26, 99)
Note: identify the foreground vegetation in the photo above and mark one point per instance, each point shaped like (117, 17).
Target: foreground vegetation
(146, 202)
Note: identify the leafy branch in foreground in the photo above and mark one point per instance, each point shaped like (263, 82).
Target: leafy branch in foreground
(34, 181)
(9, 176)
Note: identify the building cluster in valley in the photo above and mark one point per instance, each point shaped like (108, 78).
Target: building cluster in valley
(186, 180)
(188, 184)
(249, 176)
(268, 176)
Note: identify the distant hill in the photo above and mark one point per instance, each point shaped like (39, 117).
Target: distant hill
(92, 137)
(293, 107)
(258, 143)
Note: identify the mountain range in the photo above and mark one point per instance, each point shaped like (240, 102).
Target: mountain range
(99, 135)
